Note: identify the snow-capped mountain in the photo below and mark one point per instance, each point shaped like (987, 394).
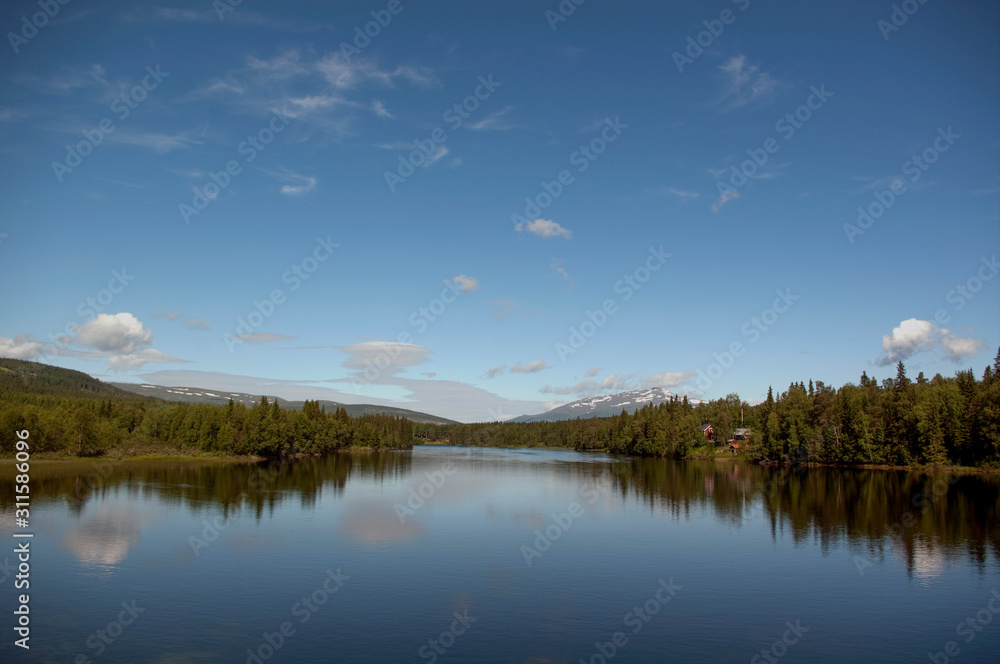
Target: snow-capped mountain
(605, 405)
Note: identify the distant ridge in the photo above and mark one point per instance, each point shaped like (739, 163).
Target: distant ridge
(38, 378)
(605, 405)
(219, 397)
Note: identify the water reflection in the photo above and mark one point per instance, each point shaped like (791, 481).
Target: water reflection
(374, 522)
(920, 517)
(104, 540)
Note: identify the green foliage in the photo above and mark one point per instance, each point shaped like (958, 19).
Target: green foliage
(87, 427)
(933, 422)
(38, 378)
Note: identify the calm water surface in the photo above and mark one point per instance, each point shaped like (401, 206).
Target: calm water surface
(482, 555)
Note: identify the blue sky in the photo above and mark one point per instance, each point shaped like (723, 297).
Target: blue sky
(488, 209)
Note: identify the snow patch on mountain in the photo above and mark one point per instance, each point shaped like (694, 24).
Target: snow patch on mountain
(606, 405)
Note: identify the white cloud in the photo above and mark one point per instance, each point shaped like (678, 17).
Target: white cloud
(910, 337)
(320, 90)
(388, 357)
(465, 284)
(380, 109)
(306, 184)
(198, 324)
(544, 228)
(530, 367)
(344, 72)
(745, 83)
(727, 195)
(585, 388)
(119, 333)
(22, 347)
(121, 337)
(668, 378)
(318, 102)
(169, 315)
(136, 359)
(619, 383)
(914, 336)
(957, 349)
(592, 372)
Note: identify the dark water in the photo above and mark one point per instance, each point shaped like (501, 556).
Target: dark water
(631, 560)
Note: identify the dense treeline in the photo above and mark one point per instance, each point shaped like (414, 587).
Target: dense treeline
(898, 422)
(89, 426)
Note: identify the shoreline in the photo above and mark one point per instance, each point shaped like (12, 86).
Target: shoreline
(56, 458)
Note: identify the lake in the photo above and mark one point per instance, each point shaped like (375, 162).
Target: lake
(460, 555)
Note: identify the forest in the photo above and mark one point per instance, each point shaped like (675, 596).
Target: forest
(70, 413)
(88, 427)
(900, 422)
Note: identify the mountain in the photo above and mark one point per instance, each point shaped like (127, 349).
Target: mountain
(605, 406)
(38, 378)
(200, 395)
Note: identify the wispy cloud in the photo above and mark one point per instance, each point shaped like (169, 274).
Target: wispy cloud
(619, 383)
(745, 83)
(668, 378)
(390, 357)
(197, 324)
(255, 338)
(158, 142)
(439, 153)
(530, 367)
(684, 196)
(585, 388)
(557, 265)
(302, 184)
(321, 90)
(494, 371)
(727, 195)
(493, 122)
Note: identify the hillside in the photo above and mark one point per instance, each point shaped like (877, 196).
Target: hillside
(217, 397)
(38, 378)
(45, 379)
